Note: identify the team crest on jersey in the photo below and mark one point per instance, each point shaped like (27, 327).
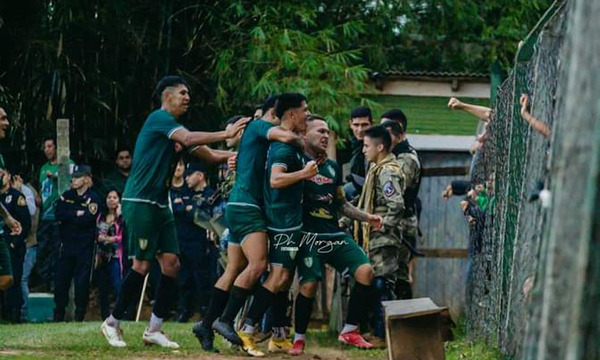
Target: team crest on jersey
(143, 243)
(320, 179)
(93, 208)
(331, 169)
(308, 262)
(388, 189)
(8, 199)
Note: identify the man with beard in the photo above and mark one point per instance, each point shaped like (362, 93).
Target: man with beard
(324, 241)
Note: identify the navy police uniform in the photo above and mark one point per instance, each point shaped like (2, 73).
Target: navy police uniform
(197, 254)
(77, 236)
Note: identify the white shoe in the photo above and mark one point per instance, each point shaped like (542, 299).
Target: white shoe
(114, 335)
(158, 338)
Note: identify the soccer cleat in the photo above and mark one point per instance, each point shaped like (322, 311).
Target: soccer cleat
(158, 338)
(249, 346)
(279, 345)
(114, 335)
(297, 348)
(354, 338)
(226, 330)
(206, 336)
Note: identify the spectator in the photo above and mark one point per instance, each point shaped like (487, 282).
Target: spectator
(14, 201)
(33, 205)
(108, 264)
(48, 240)
(360, 120)
(118, 177)
(77, 210)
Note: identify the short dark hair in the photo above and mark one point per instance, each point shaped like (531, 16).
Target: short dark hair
(394, 127)
(232, 120)
(361, 111)
(396, 115)
(314, 117)
(269, 103)
(379, 133)
(168, 81)
(49, 138)
(122, 148)
(288, 101)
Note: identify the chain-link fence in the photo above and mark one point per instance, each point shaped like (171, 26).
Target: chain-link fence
(515, 164)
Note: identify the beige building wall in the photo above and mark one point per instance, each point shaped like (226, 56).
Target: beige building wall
(436, 88)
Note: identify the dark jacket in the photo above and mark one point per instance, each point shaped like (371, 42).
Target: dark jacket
(187, 231)
(76, 230)
(14, 202)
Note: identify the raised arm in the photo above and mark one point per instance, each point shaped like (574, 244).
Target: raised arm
(483, 113)
(536, 124)
(285, 136)
(191, 138)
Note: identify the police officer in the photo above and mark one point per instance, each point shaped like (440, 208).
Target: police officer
(195, 249)
(77, 210)
(396, 123)
(14, 201)
(383, 195)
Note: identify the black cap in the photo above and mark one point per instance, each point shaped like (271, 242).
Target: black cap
(82, 170)
(193, 167)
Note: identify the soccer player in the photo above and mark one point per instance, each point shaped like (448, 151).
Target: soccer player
(149, 220)
(247, 249)
(6, 276)
(324, 241)
(285, 172)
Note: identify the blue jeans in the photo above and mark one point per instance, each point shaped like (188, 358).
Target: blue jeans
(28, 264)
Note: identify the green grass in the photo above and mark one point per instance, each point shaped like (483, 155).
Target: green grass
(84, 341)
(462, 348)
(430, 115)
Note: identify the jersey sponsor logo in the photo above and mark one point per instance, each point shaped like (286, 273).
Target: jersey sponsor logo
(388, 189)
(21, 201)
(143, 243)
(321, 214)
(320, 179)
(93, 207)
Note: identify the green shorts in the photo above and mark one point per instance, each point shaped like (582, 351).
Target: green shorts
(283, 248)
(339, 251)
(5, 263)
(243, 220)
(151, 230)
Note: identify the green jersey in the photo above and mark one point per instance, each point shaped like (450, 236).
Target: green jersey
(283, 207)
(321, 203)
(152, 160)
(49, 189)
(250, 168)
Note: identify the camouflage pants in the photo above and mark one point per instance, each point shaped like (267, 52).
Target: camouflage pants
(390, 262)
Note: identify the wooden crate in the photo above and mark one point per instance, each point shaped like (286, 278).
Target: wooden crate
(413, 329)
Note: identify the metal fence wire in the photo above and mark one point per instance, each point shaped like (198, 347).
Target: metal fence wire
(515, 162)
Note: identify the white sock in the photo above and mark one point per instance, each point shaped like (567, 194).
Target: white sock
(248, 329)
(279, 332)
(155, 323)
(348, 328)
(112, 321)
(299, 337)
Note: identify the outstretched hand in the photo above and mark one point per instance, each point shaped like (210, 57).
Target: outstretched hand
(237, 127)
(376, 221)
(524, 100)
(454, 103)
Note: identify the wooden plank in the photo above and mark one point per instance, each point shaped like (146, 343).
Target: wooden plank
(446, 253)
